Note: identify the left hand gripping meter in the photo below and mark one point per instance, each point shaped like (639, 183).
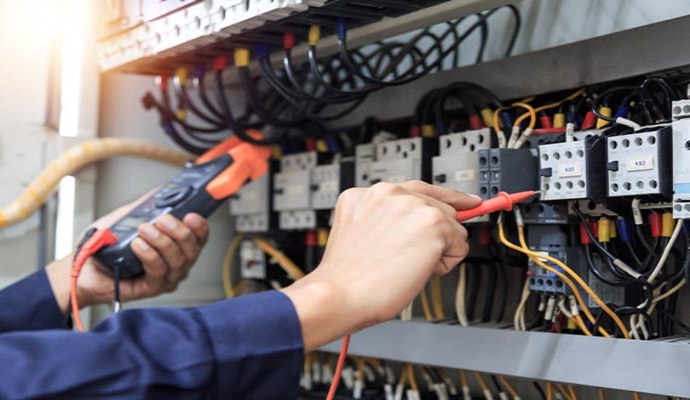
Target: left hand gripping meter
(200, 188)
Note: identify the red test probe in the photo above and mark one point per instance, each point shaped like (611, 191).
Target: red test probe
(502, 201)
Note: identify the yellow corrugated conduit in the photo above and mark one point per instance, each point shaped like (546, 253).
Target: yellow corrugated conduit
(71, 161)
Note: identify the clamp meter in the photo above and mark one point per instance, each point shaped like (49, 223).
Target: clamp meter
(200, 188)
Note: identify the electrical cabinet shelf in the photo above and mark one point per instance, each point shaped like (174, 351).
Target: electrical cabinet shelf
(658, 367)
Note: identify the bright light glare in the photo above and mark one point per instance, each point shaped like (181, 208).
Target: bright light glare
(72, 53)
(64, 228)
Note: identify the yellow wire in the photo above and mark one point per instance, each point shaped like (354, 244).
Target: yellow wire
(227, 265)
(437, 297)
(558, 103)
(600, 394)
(531, 113)
(549, 391)
(576, 277)
(497, 121)
(480, 379)
(508, 386)
(412, 378)
(571, 389)
(463, 378)
(563, 277)
(581, 324)
(635, 396)
(425, 305)
(563, 391)
(293, 271)
(403, 377)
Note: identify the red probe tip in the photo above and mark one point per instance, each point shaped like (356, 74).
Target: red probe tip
(502, 201)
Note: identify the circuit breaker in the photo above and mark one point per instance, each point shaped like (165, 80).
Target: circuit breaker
(328, 181)
(552, 241)
(403, 160)
(457, 165)
(573, 170)
(292, 191)
(640, 164)
(507, 170)
(251, 206)
(364, 156)
(681, 159)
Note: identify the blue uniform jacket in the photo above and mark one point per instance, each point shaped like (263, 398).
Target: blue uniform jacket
(245, 348)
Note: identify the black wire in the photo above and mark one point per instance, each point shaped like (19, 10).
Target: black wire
(184, 98)
(600, 275)
(540, 390)
(230, 120)
(490, 292)
(606, 94)
(475, 278)
(591, 236)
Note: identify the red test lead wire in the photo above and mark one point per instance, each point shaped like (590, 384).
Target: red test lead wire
(93, 241)
(502, 201)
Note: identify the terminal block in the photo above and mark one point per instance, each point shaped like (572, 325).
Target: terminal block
(507, 170)
(251, 207)
(681, 159)
(640, 164)
(549, 240)
(403, 160)
(573, 170)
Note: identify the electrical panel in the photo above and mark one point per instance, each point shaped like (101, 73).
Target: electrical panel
(403, 160)
(251, 206)
(640, 164)
(681, 159)
(573, 170)
(507, 170)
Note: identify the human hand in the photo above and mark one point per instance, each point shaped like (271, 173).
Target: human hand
(167, 249)
(385, 243)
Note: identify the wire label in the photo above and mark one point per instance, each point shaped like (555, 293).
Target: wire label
(641, 164)
(569, 170)
(465, 175)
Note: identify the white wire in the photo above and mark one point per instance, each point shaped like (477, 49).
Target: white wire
(670, 291)
(460, 310)
(517, 320)
(667, 251)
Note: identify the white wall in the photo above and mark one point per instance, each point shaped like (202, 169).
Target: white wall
(25, 29)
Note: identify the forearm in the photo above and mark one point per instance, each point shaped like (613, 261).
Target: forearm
(29, 305)
(241, 348)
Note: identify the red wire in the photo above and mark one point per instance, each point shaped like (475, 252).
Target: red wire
(339, 368)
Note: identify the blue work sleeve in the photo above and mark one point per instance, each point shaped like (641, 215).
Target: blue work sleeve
(245, 348)
(29, 305)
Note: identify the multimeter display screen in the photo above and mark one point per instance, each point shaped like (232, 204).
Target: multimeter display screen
(132, 222)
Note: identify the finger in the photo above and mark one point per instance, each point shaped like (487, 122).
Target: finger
(445, 207)
(165, 246)
(198, 225)
(457, 247)
(181, 234)
(457, 200)
(155, 269)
